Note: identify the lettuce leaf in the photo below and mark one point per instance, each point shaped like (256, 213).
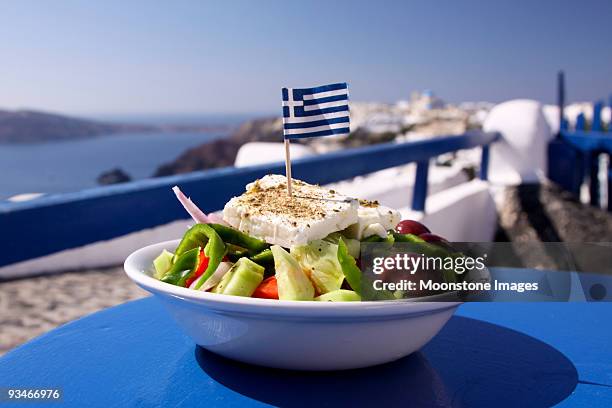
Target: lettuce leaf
(319, 260)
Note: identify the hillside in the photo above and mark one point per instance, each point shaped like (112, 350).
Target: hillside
(29, 126)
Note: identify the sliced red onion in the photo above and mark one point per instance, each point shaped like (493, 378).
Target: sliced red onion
(215, 278)
(190, 207)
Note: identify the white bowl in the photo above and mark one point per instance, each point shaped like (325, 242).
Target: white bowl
(289, 334)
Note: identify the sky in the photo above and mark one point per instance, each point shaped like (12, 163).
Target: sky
(140, 57)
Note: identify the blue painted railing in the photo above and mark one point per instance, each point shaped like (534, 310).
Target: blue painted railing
(57, 222)
(574, 155)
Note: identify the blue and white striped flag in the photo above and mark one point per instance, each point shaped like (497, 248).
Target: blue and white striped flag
(318, 111)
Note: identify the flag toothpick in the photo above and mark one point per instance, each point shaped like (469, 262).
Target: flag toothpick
(288, 167)
(313, 112)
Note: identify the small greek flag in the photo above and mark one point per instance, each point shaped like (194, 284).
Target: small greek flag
(319, 111)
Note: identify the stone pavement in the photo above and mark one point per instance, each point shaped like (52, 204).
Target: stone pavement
(32, 306)
(545, 213)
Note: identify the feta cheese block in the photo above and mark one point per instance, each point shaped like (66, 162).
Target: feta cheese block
(267, 212)
(373, 219)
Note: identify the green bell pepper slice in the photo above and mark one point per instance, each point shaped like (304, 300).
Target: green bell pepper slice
(203, 235)
(407, 238)
(239, 238)
(389, 239)
(424, 247)
(185, 265)
(354, 277)
(430, 250)
(198, 236)
(265, 257)
(234, 253)
(351, 271)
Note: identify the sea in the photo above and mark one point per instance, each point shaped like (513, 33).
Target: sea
(68, 166)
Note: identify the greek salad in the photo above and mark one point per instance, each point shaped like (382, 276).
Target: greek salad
(272, 246)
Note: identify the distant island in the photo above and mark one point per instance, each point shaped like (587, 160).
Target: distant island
(29, 126)
(222, 152)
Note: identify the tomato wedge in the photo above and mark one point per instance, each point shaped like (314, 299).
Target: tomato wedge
(200, 270)
(268, 289)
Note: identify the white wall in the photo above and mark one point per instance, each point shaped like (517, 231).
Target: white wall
(464, 213)
(254, 153)
(521, 154)
(393, 187)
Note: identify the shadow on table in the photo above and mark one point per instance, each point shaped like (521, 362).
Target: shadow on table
(470, 363)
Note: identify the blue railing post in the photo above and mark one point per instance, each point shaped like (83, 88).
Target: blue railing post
(580, 122)
(419, 194)
(565, 165)
(596, 125)
(484, 163)
(561, 100)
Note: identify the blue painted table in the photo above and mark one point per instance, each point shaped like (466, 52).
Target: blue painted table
(503, 354)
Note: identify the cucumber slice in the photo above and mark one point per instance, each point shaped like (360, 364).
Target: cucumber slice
(242, 279)
(162, 264)
(340, 295)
